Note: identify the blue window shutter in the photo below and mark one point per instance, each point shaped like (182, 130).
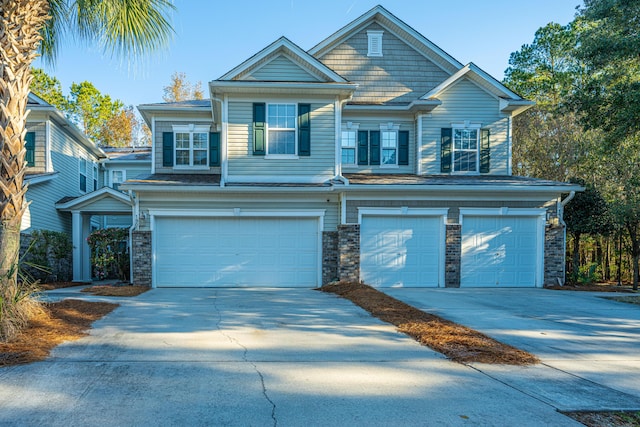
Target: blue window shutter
(30, 146)
(374, 147)
(485, 151)
(214, 149)
(259, 119)
(304, 129)
(445, 150)
(403, 148)
(167, 149)
(363, 147)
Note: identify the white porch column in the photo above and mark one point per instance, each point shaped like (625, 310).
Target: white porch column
(86, 250)
(76, 240)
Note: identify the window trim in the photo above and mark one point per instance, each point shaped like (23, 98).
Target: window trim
(374, 43)
(83, 174)
(95, 175)
(351, 128)
(268, 130)
(389, 128)
(465, 126)
(111, 174)
(191, 129)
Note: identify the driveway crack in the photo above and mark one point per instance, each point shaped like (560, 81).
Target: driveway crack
(245, 359)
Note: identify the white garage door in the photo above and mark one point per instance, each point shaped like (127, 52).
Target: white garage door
(203, 252)
(401, 250)
(499, 251)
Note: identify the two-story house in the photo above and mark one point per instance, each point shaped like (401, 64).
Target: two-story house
(373, 156)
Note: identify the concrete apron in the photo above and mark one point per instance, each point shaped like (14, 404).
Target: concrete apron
(255, 357)
(589, 346)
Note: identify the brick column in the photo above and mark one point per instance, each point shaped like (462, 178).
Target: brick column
(141, 251)
(453, 256)
(554, 256)
(329, 256)
(349, 252)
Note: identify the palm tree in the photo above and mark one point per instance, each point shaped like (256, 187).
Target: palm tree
(32, 27)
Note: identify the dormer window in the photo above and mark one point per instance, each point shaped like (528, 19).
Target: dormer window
(375, 43)
(191, 146)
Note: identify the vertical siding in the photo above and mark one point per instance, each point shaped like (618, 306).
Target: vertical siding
(400, 75)
(281, 69)
(368, 124)
(43, 196)
(240, 145)
(465, 101)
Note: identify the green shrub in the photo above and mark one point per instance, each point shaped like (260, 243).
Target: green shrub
(110, 253)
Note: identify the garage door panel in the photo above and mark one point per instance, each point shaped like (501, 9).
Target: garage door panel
(236, 251)
(401, 250)
(499, 251)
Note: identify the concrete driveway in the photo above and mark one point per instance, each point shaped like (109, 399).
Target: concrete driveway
(261, 357)
(589, 346)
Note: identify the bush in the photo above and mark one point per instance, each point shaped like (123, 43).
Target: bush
(46, 256)
(110, 253)
(18, 304)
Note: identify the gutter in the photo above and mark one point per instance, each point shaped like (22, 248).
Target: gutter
(561, 205)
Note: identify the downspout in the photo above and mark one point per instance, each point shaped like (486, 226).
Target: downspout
(153, 144)
(48, 164)
(510, 146)
(560, 207)
(134, 224)
(224, 164)
(419, 145)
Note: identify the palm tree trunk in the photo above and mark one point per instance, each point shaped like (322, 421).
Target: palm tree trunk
(20, 25)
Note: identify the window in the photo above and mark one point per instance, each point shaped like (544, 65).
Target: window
(83, 174)
(191, 146)
(349, 143)
(389, 147)
(117, 178)
(465, 149)
(375, 43)
(281, 129)
(95, 177)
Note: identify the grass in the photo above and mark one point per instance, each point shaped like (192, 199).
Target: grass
(457, 342)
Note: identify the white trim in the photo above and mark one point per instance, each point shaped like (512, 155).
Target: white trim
(489, 197)
(48, 163)
(419, 145)
(349, 127)
(417, 212)
(154, 145)
(466, 125)
(374, 43)
(84, 173)
(98, 195)
(224, 141)
(38, 178)
(294, 60)
(231, 213)
(111, 172)
(343, 208)
(267, 132)
(509, 145)
(538, 213)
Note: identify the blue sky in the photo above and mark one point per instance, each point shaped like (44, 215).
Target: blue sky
(213, 36)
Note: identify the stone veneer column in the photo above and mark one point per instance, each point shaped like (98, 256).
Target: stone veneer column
(329, 256)
(141, 251)
(554, 254)
(453, 256)
(349, 252)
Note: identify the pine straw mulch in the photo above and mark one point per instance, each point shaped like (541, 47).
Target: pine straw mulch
(57, 285)
(606, 419)
(592, 287)
(116, 290)
(67, 320)
(457, 342)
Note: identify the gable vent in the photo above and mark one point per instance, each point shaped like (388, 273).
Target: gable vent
(375, 43)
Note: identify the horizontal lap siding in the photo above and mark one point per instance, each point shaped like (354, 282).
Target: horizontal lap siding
(453, 206)
(466, 101)
(400, 75)
(240, 145)
(64, 157)
(162, 126)
(250, 202)
(281, 69)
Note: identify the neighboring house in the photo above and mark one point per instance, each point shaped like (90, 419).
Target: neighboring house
(73, 184)
(374, 156)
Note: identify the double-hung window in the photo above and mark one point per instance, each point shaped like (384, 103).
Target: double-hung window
(191, 146)
(117, 178)
(466, 142)
(95, 176)
(389, 147)
(82, 166)
(349, 143)
(281, 129)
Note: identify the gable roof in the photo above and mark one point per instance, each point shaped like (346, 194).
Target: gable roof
(285, 47)
(509, 100)
(395, 25)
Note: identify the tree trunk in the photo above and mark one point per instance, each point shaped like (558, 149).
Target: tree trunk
(635, 253)
(20, 25)
(607, 259)
(576, 257)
